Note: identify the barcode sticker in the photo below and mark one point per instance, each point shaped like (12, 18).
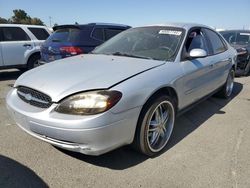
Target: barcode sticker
(170, 32)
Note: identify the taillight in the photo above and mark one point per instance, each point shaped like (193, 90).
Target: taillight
(71, 50)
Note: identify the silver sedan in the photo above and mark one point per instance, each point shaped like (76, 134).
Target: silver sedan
(127, 91)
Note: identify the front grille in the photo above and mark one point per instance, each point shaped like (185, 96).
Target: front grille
(33, 97)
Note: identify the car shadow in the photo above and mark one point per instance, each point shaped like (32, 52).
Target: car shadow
(125, 157)
(14, 174)
(10, 74)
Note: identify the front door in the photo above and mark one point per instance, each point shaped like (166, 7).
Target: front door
(198, 80)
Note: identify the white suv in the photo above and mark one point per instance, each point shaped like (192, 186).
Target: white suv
(20, 45)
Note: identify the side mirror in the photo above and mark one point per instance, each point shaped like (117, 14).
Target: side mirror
(197, 53)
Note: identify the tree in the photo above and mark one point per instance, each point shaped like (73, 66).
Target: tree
(21, 17)
(3, 20)
(36, 21)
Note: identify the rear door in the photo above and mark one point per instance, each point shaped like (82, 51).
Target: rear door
(220, 59)
(15, 45)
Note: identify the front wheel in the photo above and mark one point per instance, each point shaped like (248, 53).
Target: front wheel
(247, 69)
(155, 125)
(227, 89)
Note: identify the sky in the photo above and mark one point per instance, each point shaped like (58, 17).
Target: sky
(220, 14)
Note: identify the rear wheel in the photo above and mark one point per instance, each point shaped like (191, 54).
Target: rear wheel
(227, 89)
(33, 61)
(155, 125)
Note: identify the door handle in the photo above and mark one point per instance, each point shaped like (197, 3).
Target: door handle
(27, 45)
(230, 60)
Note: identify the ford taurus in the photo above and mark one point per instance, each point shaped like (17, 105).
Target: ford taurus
(127, 91)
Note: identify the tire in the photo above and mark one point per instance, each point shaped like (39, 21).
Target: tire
(247, 69)
(33, 61)
(227, 89)
(155, 125)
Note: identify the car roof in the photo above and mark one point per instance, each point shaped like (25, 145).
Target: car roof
(235, 30)
(80, 26)
(185, 26)
(22, 25)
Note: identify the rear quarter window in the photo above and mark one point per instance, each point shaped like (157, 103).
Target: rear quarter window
(40, 33)
(98, 33)
(109, 33)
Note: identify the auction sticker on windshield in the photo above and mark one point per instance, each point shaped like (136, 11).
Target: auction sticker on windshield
(170, 32)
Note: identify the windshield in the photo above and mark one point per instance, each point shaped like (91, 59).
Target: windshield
(238, 38)
(158, 42)
(65, 35)
(243, 38)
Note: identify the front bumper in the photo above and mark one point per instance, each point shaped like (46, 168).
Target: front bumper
(91, 135)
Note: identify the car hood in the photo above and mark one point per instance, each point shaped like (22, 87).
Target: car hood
(83, 72)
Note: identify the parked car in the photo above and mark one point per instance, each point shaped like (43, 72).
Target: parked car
(240, 40)
(128, 90)
(20, 45)
(70, 40)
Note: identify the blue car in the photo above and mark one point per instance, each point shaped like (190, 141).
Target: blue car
(70, 40)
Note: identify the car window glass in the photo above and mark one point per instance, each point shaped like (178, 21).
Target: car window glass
(40, 33)
(158, 42)
(98, 34)
(65, 35)
(243, 38)
(109, 33)
(230, 37)
(1, 35)
(14, 34)
(216, 42)
(196, 40)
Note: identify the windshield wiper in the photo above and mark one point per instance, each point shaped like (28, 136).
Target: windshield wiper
(130, 55)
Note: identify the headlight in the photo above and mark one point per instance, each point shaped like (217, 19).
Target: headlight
(89, 103)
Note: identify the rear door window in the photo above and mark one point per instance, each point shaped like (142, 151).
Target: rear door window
(40, 33)
(98, 33)
(1, 34)
(109, 33)
(65, 35)
(14, 34)
(216, 42)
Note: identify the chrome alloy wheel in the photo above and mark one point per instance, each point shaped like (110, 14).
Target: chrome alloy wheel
(230, 83)
(36, 64)
(160, 126)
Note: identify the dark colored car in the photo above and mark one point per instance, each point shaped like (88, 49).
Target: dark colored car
(240, 40)
(70, 40)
